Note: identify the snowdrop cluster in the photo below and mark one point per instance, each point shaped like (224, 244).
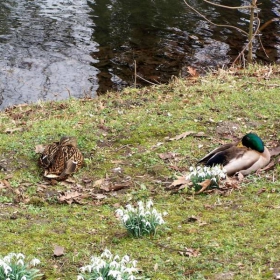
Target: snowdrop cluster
(12, 267)
(199, 174)
(109, 267)
(140, 220)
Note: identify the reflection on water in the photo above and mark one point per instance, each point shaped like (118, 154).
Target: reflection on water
(53, 49)
(45, 50)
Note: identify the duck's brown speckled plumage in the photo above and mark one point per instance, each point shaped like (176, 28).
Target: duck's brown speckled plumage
(61, 159)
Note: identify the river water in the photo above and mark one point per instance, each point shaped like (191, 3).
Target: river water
(54, 49)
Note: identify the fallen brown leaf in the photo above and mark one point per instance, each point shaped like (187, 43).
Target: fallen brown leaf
(121, 186)
(205, 184)
(12, 130)
(98, 183)
(105, 188)
(69, 196)
(181, 181)
(269, 166)
(2, 185)
(231, 183)
(185, 134)
(190, 252)
(39, 149)
(260, 191)
(70, 180)
(5, 183)
(240, 177)
(192, 72)
(182, 136)
(168, 155)
(274, 151)
(156, 267)
(99, 196)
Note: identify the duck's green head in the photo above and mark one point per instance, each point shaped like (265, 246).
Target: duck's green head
(253, 141)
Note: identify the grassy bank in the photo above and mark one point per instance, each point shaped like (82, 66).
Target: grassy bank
(130, 152)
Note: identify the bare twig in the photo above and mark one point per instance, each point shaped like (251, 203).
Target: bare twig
(246, 46)
(268, 22)
(251, 27)
(219, 25)
(147, 80)
(69, 92)
(135, 74)
(228, 7)
(262, 46)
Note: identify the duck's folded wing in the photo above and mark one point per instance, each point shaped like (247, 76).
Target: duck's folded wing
(219, 152)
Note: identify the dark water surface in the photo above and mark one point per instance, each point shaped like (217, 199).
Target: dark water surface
(53, 49)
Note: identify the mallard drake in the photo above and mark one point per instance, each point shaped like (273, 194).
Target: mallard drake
(245, 156)
(62, 158)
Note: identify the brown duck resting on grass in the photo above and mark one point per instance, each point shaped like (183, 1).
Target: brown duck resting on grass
(61, 159)
(245, 156)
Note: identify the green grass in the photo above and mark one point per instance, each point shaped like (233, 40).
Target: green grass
(236, 234)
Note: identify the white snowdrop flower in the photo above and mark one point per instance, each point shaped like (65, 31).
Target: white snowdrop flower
(143, 221)
(35, 262)
(99, 278)
(116, 257)
(101, 264)
(88, 268)
(140, 204)
(23, 278)
(20, 262)
(125, 259)
(214, 179)
(20, 256)
(114, 264)
(129, 207)
(80, 277)
(95, 260)
(7, 259)
(148, 224)
(161, 221)
(119, 212)
(125, 218)
(7, 269)
(131, 277)
(107, 254)
(165, 213)
(149, 203)
(114, 273)
(154, 212)
(191, 168)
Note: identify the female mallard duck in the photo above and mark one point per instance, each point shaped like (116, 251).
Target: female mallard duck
(62, 158)
(245, 156)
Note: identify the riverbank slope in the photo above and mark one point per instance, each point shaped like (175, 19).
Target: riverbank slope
(134, 148)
